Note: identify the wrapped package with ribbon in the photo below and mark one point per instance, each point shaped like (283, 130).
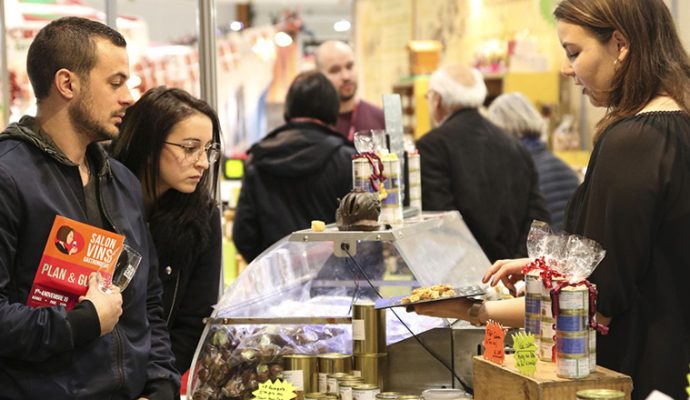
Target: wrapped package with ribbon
(561, 263)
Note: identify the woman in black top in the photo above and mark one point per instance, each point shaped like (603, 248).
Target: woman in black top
(635, 199)
(170, 140)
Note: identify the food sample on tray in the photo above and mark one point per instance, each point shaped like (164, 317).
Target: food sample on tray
(429, 293)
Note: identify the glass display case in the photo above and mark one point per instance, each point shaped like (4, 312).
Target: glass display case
(297, 296)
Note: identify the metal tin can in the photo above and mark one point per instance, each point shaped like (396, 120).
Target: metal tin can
(373, 367)
(330, 396)
(414, 180)
(366, 328)
(365, 392)
(572, 367)
(599, 394)
(301, 370)
(572, 321)
(388, 396)
(391, 205)
(533, 293)
(361, 172)
(572, 343)
(332, 381)
(546, 338)
(314, 396)
(345, 387)
(592, 349)
(574, 298)
(330, 363)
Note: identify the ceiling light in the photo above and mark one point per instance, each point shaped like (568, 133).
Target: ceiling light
(236, 26)
(282, 39)
(342, 25)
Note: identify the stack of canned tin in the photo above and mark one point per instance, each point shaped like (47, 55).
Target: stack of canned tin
(547, 327)
(568, 340)
(572, 332)
(369, 342)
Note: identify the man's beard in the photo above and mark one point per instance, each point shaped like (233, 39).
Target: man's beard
(82, 119)
(349, 96)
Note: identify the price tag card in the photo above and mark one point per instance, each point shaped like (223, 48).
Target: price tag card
(276, 390)
(494, 343)
(525, 353)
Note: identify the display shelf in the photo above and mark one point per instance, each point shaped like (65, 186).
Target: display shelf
(492, 381)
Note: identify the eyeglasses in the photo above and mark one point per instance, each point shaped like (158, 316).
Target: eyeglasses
(193, 151)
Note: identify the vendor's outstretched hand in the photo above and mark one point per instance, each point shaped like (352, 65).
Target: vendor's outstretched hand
(506, 271)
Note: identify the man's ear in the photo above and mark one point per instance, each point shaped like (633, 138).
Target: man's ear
(66, 83)
(622, 45)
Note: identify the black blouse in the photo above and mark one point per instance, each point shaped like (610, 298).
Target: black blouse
(635, 201)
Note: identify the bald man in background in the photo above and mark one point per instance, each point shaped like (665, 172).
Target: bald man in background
(470, 165)
(336, 60)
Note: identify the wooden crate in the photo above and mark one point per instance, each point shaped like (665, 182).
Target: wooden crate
(495, 382)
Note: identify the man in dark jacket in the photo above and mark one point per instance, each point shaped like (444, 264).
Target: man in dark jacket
(468, 164)
(110, 345)
(296, 173)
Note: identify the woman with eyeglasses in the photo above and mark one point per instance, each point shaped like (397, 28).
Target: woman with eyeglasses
(170, 141)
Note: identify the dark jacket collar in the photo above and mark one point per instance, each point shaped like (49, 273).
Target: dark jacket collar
(28, 130)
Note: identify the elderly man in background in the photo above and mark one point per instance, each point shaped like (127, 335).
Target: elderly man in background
(336, 60)
(471, 165)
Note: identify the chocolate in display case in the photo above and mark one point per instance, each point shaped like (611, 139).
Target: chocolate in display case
(304, 296)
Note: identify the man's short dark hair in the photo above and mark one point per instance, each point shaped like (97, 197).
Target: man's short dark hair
(312, 95)
(69, 43)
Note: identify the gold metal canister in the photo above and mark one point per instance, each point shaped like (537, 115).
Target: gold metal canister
(365, 392)
(301, 370)
(365, 328)
(388, 396)
(599, 394)
(345, 387)
(373, 367)
(330, 363)
(332, 381)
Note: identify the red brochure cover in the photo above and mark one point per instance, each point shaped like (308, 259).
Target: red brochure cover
(73, 251)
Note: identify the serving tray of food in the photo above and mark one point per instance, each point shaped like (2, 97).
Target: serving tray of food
(430, 294)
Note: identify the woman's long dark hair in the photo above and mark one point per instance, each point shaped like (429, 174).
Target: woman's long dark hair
(178, 221)
(656, 63)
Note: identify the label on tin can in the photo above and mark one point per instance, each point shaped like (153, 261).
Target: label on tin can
(345, 392)
(332, 385)
(361, 172)
(296, 378)
(546, 350)
(323, 382)
(572, 323)
(365, 394)
(592, 350)
(572, 368)
(573, 298)
(574, 344)
(358, 330)
(533, 304)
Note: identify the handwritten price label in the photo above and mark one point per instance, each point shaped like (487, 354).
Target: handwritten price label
(525, 353)
(494, 343)
(277, 390)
